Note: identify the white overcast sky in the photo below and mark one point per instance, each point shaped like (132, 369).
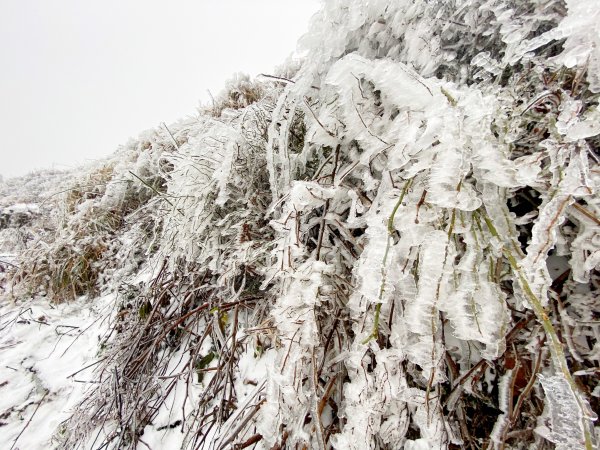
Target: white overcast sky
(79, 77)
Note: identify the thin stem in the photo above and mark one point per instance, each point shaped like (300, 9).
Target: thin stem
(556, 346)
(390, 229)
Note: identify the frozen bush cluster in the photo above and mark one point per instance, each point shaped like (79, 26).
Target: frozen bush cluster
(392, 244)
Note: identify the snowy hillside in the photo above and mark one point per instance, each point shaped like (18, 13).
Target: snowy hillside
(392, 243)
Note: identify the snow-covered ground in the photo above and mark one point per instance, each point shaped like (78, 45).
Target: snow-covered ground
(44, 351)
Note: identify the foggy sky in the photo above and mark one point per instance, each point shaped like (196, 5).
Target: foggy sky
(78, 78)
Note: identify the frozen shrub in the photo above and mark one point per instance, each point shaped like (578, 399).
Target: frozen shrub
(240, 91)
(392, 244)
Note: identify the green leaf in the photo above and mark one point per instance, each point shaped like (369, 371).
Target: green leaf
(203, 363)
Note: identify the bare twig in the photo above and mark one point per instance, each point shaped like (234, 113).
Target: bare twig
(29, 420)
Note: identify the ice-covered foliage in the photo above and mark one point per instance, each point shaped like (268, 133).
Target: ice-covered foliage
(102, 223)
(392, 244)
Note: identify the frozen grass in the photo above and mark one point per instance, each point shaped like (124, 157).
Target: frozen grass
(389, 245)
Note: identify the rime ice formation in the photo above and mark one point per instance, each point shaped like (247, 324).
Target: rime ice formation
(391, 243)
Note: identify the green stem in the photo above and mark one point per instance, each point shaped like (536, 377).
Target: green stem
(148, 185)
(556, 347)
(160, 194)
(390, 229)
